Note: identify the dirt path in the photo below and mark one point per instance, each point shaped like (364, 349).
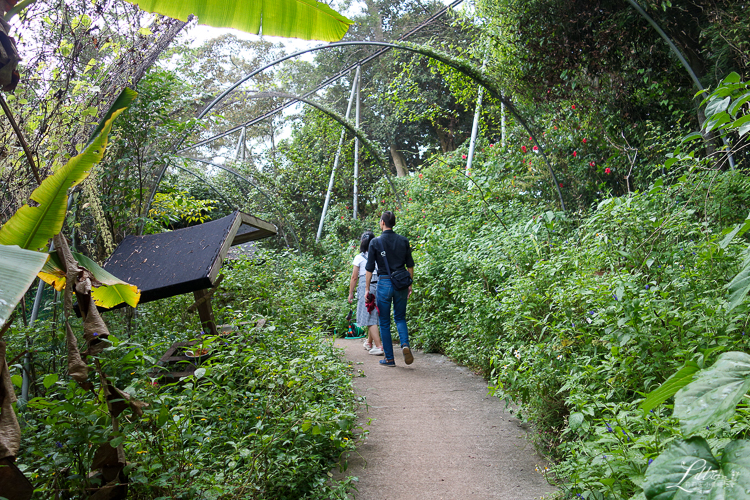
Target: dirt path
(437, 434)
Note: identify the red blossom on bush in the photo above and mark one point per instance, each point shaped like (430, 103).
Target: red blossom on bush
(607, 170)
(555, 127)
(463, 156)
(575, 153)
(561, 184)
(491, 145)
(420, 176)
(535, 148)
(573, 106)
(530, 138)
(523, 149)
(591, 164)
(584, 140)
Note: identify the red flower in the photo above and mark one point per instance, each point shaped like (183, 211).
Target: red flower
(530, 138)
(342, 217)
(463, 156)
(535, 148)
(420, 176)
(607, 170)
(561, 184)
(555, 127)
(591, 164)
(584, 140)
(575, 153)
(383, 202)
(573, 106)
(491, 145)
(523, 149)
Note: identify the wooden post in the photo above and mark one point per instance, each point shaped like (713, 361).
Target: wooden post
(206, 312)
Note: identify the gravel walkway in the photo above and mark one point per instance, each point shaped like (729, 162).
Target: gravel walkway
(435, 434)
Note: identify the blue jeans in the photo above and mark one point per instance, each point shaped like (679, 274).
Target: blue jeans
(385, 295)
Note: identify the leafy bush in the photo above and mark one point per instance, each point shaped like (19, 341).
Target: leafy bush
(267, 416)
(574, 317)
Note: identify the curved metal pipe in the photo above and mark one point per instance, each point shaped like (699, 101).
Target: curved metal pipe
(369, 144)
(243, 178)
(461, 66)
(684, 63)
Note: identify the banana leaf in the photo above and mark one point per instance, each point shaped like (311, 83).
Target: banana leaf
(306, 19)
(18, 268)
(32, 227)
(107, 290)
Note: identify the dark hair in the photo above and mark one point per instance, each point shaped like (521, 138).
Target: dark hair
(365, 239)
(388, 218)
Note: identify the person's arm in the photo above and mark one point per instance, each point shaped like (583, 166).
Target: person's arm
(353, 282)
(369, 267)
(409, 264)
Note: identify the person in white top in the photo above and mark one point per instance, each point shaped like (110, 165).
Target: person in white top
(365, 318)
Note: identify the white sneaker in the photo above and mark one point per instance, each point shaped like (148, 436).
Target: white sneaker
(367, 345)
(376, 351)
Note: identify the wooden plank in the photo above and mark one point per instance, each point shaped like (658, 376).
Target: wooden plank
(205, 312)
(216, 267)
(265, 229)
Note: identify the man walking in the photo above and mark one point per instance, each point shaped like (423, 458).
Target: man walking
(393, 256)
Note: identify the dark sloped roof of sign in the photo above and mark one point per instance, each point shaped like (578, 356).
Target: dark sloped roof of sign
(182, 261)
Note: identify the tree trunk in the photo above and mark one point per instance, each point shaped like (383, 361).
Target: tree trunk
(399, 160)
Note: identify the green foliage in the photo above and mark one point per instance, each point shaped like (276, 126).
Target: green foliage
(689, 466)
(18, 269)
(178, 206)
(32, 226)
(574, 317)
(306, 19)
(266, 416)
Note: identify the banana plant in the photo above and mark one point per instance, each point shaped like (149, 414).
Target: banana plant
(31, 227)
(108, 290)
(18, 268)
(306, 19)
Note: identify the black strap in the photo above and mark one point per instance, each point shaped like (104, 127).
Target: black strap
(385, 257)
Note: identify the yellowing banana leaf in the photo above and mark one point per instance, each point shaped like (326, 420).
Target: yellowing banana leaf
(32, 227)
(306, 19)
(18, 268)
(108, 290)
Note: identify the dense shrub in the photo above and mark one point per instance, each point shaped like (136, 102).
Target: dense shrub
(267, 416)
(574, 317)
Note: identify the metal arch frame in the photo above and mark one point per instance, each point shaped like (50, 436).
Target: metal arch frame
(332, 114)
(685, 64)
(243, 178)
(371, 147)
(357, 132)
(465, 68)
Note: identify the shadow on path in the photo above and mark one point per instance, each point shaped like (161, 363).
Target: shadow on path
(436, 433)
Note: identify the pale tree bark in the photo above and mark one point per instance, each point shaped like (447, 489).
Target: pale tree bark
(374, 12)
(399, 160)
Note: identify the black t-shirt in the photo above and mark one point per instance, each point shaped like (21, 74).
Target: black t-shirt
(397, 251)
